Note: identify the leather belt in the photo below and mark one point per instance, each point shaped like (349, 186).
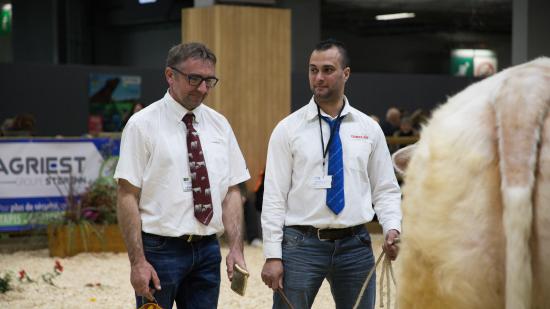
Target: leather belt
(329, 234)
(187, 238)
(195, 238)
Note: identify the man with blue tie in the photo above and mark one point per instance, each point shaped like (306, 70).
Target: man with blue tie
(327, 165)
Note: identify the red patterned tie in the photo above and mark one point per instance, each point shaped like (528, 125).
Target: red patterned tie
(199, 174)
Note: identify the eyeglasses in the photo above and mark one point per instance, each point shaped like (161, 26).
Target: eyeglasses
(195, 79)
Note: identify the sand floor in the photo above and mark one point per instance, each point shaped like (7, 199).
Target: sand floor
(101, 280)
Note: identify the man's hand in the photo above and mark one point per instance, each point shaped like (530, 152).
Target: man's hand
(141, 274)
(232, 258)
(272, 273)
(390, 244)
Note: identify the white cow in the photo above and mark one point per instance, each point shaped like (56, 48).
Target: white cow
(476, 206)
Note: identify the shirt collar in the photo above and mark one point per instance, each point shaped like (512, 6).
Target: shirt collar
(311, 109)
(177, 111)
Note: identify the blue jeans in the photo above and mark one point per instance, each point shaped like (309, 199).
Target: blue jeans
(344, 263)
(189, 273)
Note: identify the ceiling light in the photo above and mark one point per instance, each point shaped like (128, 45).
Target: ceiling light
(394, 16)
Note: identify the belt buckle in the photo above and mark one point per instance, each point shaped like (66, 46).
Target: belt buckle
(319, 235)
(190, 238)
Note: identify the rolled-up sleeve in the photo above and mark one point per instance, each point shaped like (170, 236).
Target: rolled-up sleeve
(276, 187)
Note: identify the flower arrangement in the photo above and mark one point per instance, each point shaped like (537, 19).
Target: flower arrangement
(96, 205)
(87, 216)
(88, 223)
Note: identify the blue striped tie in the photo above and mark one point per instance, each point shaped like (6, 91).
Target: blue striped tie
(335, 195)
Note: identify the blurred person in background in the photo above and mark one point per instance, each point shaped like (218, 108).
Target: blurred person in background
(406, 129)
(6, 126)
(21, 125)
(135, 108)
(392, 121)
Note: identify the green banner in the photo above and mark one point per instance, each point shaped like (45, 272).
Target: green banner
(29, 218)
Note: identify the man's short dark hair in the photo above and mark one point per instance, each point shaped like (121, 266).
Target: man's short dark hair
(184, 51)
(330, 43)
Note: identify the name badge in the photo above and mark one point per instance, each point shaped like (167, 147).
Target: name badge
(321, 182)
(187, 185)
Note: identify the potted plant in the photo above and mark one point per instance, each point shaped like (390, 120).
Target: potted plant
(89, 223)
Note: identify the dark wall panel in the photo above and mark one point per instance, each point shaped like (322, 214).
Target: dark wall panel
(58, 95)
(417, 52)
(35, 31)
(375, 93)
(144, 46)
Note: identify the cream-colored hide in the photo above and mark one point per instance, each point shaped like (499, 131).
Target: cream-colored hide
(476, 206)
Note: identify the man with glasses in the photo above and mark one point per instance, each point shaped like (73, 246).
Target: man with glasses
(178, 175)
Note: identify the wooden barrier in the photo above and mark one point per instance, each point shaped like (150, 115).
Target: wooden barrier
(64, 240)
(401, 140)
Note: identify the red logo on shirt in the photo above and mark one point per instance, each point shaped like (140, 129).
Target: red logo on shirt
(360, 136)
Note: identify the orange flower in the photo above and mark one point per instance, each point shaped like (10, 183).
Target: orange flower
(58, 267)
(24, 277)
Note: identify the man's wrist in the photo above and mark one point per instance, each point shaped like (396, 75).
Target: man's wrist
(236, 248)
(134, 261)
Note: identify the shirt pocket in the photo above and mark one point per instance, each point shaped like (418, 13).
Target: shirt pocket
(356, 158)
(217, 158)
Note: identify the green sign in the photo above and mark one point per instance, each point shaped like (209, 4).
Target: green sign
(462, 66)
(5, 20)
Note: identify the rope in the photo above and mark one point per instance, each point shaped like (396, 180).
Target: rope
(381, 290)
(385, 267)
(387, 271)
(364, 287)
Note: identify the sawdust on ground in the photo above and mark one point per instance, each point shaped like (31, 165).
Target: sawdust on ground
(101, 280)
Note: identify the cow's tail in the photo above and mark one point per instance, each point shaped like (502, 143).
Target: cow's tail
(521, 107)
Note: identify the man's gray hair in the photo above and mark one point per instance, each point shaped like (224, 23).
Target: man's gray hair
(184, 51)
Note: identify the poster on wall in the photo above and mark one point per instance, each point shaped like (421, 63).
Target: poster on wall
(38, 175)
(111, 100)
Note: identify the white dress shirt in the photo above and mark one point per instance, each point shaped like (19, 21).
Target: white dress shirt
(153, 157)
(294, 156)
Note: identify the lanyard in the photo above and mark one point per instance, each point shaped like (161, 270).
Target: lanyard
(338, 119)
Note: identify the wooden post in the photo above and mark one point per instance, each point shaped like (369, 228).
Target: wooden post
(252, 45)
